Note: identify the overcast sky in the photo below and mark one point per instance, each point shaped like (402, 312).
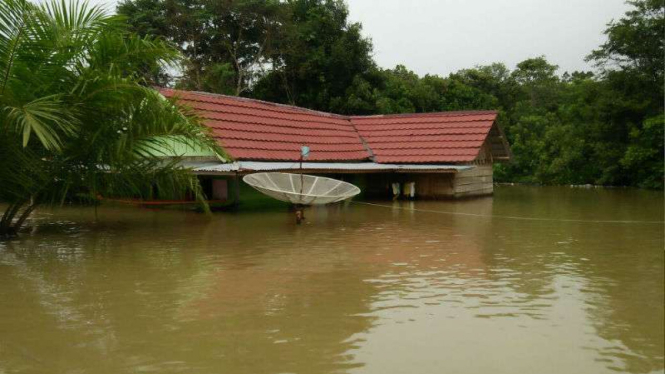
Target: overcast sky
(443, 36)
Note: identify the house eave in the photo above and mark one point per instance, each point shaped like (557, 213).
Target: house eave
(246, 167)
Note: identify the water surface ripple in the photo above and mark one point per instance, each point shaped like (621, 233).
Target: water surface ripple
(357, 289)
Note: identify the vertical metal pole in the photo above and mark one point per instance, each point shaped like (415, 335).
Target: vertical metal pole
(302, 178)
(300, 216)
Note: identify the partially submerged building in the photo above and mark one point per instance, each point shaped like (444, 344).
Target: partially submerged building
(440, 155)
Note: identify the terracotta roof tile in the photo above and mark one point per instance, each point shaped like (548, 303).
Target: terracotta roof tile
(427, 138)
(295, 146)
(276, 129)
(285, 155)
(272, 137)
(424, 138)
(257, 130)
(422, 159)
(376, 147)
(289, 118)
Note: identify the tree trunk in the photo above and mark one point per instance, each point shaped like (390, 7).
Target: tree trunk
(21, 219)
(8, 227)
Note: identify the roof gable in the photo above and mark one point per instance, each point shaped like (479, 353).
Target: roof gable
(256, 130)
(427, 137)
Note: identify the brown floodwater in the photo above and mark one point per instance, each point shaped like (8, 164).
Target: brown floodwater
(357, 289)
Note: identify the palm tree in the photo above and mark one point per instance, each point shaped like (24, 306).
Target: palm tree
(77, 117)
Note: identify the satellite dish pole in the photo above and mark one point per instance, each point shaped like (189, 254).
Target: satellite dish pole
(300, 216)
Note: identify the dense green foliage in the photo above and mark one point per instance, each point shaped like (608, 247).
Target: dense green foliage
(76, 118)
(604, 127)
(226, 42)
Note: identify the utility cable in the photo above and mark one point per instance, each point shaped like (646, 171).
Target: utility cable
(507, 217)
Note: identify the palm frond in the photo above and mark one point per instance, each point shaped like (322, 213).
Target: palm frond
(71, 76)
(130, 54)
(14, 16)
(46, 117)
(68, 29)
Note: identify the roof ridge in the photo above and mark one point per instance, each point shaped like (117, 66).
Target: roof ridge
(366, 146)
(268, 103)
(335, 115)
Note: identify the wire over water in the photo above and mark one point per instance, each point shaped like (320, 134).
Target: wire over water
(507, 217)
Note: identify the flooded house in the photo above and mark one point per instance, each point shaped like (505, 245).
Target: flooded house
(424, 155)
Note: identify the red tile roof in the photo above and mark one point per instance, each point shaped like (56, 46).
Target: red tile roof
(256, 130)
(425, 138)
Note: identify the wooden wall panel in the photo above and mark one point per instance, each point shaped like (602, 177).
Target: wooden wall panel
(475, 182)
(432, 186)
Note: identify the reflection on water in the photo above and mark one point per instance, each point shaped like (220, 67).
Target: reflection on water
(360, 289)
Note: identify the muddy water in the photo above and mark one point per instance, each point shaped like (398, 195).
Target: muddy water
(358, 289)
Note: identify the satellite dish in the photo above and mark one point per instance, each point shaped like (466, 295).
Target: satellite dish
(301, 189)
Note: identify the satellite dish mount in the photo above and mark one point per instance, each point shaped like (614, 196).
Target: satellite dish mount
(300, 208)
